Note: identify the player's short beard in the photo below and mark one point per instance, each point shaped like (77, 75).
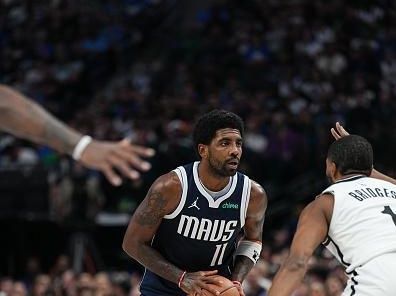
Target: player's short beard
(219, 168)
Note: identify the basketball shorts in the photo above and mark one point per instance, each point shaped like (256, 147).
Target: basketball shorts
(375, 278)
(154, 285)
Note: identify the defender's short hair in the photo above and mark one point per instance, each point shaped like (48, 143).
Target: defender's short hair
(209, 123)
(352, 154)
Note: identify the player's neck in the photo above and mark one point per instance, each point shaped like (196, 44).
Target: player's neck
(211, 181)
(340, 177)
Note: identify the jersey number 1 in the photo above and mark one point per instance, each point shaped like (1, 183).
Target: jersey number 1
(388, 211)
(218, 255)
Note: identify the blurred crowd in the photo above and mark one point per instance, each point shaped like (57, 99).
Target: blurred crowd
(121, 68)
(61, 280)
(291, 69)
(325, 278)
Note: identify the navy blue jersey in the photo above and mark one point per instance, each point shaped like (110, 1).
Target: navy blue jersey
(202, 233)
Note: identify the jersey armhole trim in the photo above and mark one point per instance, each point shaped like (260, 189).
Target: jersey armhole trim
(181, 174)
(334, 214)
(247, 184)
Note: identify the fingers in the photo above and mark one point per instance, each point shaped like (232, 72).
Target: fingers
(113, 161)
(111, 176)
(108, 156)
(335, 134)
(133, 160)
(338, 132)
(239, 287)
(123, 167)
(199, 287)
(132, 154)
(213, 280)
(203, 280)
(205, 286)
(210, 272)
(139, 150)
(212, 290)
(210, 278)
(341, 129)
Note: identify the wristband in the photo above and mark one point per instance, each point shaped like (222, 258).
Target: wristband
(181, 278)
(250, 249)
(80, 147)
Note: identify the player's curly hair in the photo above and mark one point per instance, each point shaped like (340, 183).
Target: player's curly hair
(352, 154)
(207, 125)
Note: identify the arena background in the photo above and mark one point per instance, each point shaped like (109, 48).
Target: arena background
(146, 69)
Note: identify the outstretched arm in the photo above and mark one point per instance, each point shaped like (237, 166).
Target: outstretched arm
(338, 132)
(311, 231)
(253, 230)
(24, 118)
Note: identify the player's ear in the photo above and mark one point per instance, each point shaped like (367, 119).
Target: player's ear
(331, 169)
(203, 150)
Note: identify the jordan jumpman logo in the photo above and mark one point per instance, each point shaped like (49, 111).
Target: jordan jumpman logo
(388, 210)
(194, 204)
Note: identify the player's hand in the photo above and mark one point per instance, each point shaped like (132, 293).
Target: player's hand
(239, 287)
(122, 155)
(338, 132)
(194, 282)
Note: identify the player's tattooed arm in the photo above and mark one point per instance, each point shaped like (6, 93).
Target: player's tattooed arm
(253, 229)
(162, 198)
(26, 119)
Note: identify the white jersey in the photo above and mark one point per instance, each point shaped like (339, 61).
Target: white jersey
(363, 224)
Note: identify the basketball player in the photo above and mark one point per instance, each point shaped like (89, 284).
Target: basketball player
(355, 218)
(24, 118)
(188, 227)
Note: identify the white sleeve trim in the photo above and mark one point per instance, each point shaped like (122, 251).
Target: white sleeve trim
(247, 184)
(181, 173)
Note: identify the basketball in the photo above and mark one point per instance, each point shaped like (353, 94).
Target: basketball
(226, 288)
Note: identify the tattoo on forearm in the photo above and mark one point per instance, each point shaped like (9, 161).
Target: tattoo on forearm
(242, 267)
(153, 209)
(154, 261)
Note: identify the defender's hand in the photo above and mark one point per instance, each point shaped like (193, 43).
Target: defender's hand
(122, 155)
(194, 282)
(338, 132)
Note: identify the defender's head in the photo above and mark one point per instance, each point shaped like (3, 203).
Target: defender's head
(349, 155)
(218, 140)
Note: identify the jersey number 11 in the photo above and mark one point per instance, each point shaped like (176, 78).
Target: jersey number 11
(218, 255)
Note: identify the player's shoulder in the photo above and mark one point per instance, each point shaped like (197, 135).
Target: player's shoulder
(257, 189)
(332, 188)
(168, 183)
(322, 204)
(258, 194)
